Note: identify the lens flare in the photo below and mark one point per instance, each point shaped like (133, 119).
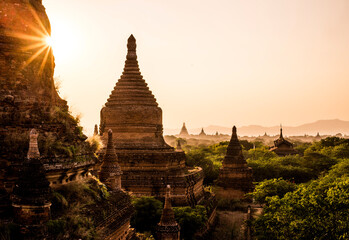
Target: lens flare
(49, 41)
(39, 43)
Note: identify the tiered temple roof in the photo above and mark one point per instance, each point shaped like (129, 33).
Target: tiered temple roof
(235, 174)
(132, 108)
(147, 161)
(282, 147)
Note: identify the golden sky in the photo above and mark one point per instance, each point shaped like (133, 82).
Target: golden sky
(218, 62)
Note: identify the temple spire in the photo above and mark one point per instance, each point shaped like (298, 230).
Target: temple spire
(281, 136)
(131, 48)
(167, 217)
(95, 132)
(234, 134)
(168, 228)
(111, 171)
(33, 151)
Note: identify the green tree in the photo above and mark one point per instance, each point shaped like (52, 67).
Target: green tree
(273, 187)
(317, 210)
(190, 219)
(147, 214)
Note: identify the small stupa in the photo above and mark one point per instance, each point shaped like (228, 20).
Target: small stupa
(111, 172)
(31, 195)
(168, 228)
(235, 177)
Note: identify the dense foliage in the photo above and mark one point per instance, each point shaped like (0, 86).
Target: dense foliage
(306, 196)
(148, 213)
(209, 159)
(315, 209)
(190, 219)
(272, 187)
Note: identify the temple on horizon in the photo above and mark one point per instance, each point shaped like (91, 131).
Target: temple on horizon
(202, 133)
(184, 132)
(282, 147)
(148, 163)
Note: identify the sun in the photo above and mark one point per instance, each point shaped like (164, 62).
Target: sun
(49, 41)
(42, 43)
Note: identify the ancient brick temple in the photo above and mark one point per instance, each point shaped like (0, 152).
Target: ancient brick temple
(168, 228)
(235, 177)
(147, 162)
(282, 147)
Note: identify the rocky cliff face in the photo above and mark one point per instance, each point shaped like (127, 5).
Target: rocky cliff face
(27, 92)
(28, 98)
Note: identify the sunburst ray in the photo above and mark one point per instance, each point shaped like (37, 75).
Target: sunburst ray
(35, 43)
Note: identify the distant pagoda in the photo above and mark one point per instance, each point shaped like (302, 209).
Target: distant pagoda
(168, 228)
(184, 132)
(148, 163)
(202, 133)
(235, 177)
(282, 147)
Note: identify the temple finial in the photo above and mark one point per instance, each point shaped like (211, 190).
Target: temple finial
(110, 139)
(168, 197)
(281, 131)
(234, 131)
(131, 43)
(95, 132)
(33, 151)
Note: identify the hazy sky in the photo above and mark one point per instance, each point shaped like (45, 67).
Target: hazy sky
(218, 62)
